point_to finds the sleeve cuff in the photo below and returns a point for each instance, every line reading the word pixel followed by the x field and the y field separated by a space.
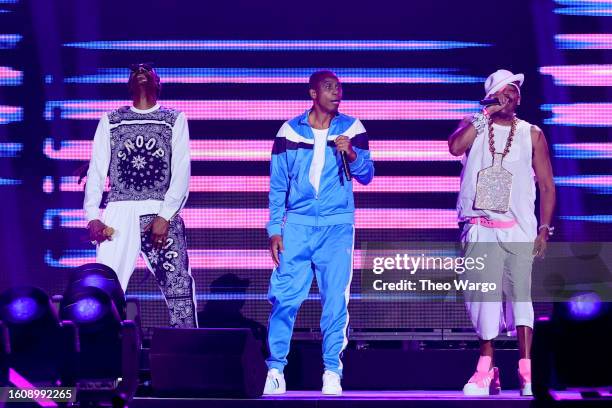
pixel 355 165
pixel 274 229
pixel 166 213
pixel 92 215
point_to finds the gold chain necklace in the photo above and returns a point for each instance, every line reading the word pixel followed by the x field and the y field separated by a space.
pixel 508 142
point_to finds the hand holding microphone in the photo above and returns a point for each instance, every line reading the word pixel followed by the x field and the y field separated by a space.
pixel 489 101
pixel 495 103
pixel 99 232
pixel 108 233
pixel 343 145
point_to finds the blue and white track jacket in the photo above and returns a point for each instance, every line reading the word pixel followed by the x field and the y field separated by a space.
pixel 292 197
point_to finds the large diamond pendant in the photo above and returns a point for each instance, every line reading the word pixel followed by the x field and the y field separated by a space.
pixel 493 187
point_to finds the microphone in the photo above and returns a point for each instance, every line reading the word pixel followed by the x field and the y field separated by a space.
pixel 345 166
pixel 490 101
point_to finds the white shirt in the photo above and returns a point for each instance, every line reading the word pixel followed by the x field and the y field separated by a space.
pixel 318 157
pixel 180 168
pixel 523 193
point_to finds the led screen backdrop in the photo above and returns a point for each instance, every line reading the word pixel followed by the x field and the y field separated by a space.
pixel 238 70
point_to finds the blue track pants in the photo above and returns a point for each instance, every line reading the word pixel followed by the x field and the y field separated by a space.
pixel 328 252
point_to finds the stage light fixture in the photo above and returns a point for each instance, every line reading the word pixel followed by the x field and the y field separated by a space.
pixel 34 342
pixel 107 362
pixel 102 277
pixel 571 355
pixel 584 306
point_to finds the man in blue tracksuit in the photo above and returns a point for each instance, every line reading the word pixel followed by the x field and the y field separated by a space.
pixel 311 226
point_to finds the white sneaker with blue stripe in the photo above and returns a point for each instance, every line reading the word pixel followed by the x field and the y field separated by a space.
pixel 275 383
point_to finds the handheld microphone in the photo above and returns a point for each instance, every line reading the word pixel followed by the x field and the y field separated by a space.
pixel 490 101
pixel 108 233
pixel 345 166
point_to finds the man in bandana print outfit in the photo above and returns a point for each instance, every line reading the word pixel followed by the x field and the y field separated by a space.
pixel 144 149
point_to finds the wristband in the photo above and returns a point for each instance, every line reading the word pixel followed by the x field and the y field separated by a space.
pixel 479 121
pixel 551 230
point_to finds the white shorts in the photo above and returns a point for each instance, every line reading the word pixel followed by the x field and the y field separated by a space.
pixel 508 265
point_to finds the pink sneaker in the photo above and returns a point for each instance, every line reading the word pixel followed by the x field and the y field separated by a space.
pixel 485 380
pixel 524 374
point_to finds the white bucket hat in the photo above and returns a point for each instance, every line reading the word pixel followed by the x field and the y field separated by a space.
pixel 499 79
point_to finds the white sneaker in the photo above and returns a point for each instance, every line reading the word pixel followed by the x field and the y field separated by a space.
pixel 275 383
pixel 524 373
pixel 485 380
pixel 331 383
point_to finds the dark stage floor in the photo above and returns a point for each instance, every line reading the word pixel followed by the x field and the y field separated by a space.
pixel 349 399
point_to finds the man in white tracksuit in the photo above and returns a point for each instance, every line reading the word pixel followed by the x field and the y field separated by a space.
pixel 144 149
pixel 510 238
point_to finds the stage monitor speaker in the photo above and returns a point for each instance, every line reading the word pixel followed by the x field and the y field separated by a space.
pixel 207 362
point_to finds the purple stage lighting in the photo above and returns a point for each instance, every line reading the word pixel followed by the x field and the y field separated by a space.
pixel 23 305
pixel 87 310
pixel 96 281
pixel 22 309
pixel 584 306
pixel 90 308
pixel 93 275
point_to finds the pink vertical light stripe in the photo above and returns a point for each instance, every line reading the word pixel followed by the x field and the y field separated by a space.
pixel 591 181
pixel 261 184
pixel 288 79
pixel 599 41
pixel 256 218
pixel 260 150
pixel 9 73
pixel 212 259
pixel 582 114
pixel 48 185
pixel 274 45
pixel 580 75
pixel 277 109
pixel 596 147
pixel 9 110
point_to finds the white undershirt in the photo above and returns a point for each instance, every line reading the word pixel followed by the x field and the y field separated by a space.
pixel 318 157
